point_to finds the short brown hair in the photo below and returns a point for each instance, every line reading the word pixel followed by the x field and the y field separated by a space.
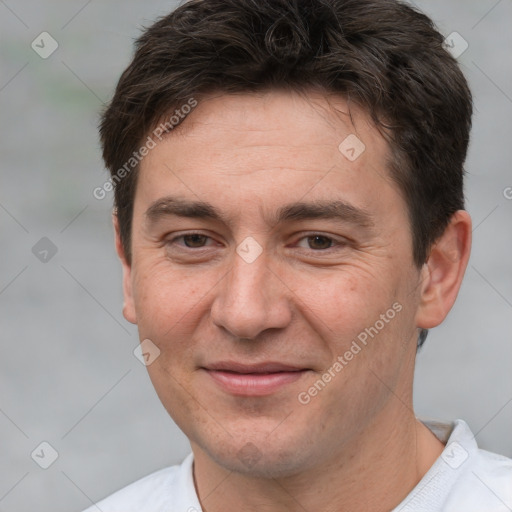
pixel 381 54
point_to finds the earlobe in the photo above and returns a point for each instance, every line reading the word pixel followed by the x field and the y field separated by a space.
pixel 128 305
pixel 442 274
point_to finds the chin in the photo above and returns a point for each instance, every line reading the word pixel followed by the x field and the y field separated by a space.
pixel 260 458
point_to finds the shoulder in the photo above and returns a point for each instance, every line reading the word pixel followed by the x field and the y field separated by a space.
pixel 137 496
pixel 464 478
pixel 476 479
pixel 485 485
pixel 169 489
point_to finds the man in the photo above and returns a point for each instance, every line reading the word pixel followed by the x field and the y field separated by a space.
pixel 289 216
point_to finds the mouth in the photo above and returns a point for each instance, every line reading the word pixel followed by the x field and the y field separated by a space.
pixel 253 379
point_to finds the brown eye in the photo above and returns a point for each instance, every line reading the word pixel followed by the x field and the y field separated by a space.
pixel 319 242
pixel 195 241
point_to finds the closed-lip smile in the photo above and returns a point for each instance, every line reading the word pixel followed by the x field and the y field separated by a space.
pixel 253 379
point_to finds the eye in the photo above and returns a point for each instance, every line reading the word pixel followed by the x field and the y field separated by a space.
pixel 190 240
pixel 318 242
pixel 194 240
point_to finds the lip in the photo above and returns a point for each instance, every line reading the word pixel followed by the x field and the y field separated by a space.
pixel 253 379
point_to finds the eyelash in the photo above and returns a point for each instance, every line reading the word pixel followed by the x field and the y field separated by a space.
pixel 335 244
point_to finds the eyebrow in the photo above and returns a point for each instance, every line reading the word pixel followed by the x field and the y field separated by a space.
pixel 338 210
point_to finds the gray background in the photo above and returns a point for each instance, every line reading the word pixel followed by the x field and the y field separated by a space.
pixel 68 373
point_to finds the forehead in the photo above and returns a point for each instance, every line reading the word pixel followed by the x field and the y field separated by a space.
pixel 257 146
pixel 285 120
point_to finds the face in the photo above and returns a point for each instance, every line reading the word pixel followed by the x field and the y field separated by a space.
pixel 272 268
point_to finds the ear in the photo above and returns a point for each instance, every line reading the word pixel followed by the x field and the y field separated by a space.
pixel 128 305
pixel 441 276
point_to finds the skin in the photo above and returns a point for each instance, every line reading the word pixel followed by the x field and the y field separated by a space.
pixel 357 444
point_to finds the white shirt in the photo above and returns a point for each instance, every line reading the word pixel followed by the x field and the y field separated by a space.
pixel 463 479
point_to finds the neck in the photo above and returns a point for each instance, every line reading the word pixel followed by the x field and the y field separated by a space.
pixel 375 473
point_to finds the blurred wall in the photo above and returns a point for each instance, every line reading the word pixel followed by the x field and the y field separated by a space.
pixel 68 374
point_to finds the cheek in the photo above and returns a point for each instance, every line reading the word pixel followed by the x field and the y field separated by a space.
pixel 162 294
pixel 164 303
pixel 167 308
pixel 343 303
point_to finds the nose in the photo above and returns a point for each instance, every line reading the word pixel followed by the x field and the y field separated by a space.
pixel 251 299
